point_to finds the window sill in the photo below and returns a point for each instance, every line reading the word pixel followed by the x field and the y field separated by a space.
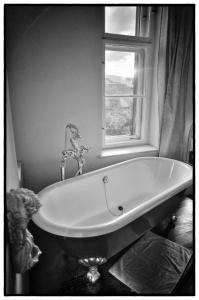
pixel 135 151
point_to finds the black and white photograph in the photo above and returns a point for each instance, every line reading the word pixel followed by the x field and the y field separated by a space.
pixel 99 149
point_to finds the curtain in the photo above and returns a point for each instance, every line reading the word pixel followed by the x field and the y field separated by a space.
pixel 175 81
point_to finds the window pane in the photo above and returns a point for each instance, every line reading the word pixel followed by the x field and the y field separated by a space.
pixel 120 20
pixel 123 73
pixel 128 20
pixel 123 116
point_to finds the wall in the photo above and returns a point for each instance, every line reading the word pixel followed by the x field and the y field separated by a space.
pixel 55 76
pixel 12 181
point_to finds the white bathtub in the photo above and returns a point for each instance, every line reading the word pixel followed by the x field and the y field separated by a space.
pixel 85 206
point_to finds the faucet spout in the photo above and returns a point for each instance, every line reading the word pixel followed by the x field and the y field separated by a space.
pixel 76 152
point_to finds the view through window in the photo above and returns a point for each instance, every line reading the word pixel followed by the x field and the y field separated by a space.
pixel 122 107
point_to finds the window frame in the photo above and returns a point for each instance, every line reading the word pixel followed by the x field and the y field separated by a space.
pixel 145 43
pixel 128 141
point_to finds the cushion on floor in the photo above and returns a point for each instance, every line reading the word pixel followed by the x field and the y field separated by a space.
pixel 153 265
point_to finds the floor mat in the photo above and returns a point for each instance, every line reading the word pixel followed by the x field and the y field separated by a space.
pixel 153 265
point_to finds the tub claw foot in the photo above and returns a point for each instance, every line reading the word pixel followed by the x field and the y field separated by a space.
pixel 93 274
pixel 92 263
pixel 173 221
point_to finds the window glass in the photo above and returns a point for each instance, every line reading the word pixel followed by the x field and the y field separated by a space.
pixel 124 72
pixel 120 20
pixel 128 20
pixel 123 82
pixel 123 117
pixel 119 72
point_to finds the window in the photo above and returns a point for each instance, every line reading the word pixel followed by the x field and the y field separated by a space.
pixel 125 74
pixel 113 16
pixel 128 20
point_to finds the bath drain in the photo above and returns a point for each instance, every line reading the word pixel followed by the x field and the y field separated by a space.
pixel 120 207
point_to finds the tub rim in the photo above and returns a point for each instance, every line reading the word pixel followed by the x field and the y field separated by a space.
pixel 116 222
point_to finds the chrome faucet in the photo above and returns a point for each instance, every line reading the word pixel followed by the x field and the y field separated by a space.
pixel 76 152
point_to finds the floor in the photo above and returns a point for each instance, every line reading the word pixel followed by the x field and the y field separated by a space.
pixel 76 283
pixel 107 285
pixel 110 286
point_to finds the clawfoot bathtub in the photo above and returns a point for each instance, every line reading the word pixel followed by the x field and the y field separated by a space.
pixel 96 215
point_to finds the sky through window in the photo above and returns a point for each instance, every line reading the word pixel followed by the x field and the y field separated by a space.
pixel 120 20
